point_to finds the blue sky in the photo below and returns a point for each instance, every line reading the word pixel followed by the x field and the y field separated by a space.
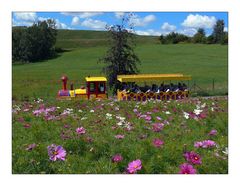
pixel 146 23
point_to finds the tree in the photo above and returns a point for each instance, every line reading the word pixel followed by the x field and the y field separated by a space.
pixel 218 31
pixel 225 39
pixel 173 38
pixel 120 57
pixel 34 43
pixel 199 37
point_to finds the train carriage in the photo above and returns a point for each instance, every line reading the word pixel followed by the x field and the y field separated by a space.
pixel 123 94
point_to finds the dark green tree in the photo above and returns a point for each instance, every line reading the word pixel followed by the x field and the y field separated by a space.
pixel 120 58
pixel 218 32
pixel 173 38
pixel 34 43
pixel 199 37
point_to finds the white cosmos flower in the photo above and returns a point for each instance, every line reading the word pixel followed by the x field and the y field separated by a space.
pixel 203 105
pixel 186 115
pixel 197 111
pixel 167 112
pixel 108 116
pixel 226 151
pixel 91 110
pixel 83 118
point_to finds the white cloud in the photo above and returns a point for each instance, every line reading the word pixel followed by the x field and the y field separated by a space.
pixel 60 25
pixel 149 32
pixel 26 16
pixel 166 27
pixel 119 15
pixel 199 21
pixel 137 21
pixel 225 29
pixel 188 31
pixel 81 14
pixel 94 24
pixel 75 21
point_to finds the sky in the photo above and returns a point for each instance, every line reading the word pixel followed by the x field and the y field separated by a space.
pixel 145 23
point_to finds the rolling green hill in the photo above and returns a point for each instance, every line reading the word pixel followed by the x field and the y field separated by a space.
pixel 86 38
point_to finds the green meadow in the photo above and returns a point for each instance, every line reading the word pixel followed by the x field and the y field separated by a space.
pixel 83 49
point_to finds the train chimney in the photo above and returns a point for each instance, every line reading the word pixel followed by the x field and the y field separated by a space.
pixel 64 80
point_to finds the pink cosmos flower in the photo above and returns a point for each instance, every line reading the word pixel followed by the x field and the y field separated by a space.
pixel 119 136
pixel 56 152
pixel 157 142
pixel 117 158
pixel 148 118
pixel 204 144
pixel 134 166
pixel 212 132
pixel 81 130
pixel 186 168
pixel 26 125
pixel 135 110
pixel 158 118
pixel 192 157
pixel 198 144
pixel 157 127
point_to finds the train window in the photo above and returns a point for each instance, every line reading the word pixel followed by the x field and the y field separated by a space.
pixel 92 87
pixel 101 88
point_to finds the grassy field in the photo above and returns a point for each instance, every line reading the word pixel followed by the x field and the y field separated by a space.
pixel 203 62
pixel 106 136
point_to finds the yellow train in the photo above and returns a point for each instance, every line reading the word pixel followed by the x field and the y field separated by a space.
pixel 96 88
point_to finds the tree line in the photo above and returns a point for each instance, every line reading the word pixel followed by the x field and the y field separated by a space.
pixel 218 36
pixel 34 43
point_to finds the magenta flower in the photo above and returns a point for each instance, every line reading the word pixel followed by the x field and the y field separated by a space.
pixel 212 132
pixel 119 136
pixel 26 125
pixel 204 144
pixel 157 142
pixel 148 118
pixel 157 127
pixel 198 144
pixel 134 166
pixel 208 143
pixel 158 118
pixel 56 152
pixel 80 130
pixel 192 157
pixel 186 168
pixel 117 158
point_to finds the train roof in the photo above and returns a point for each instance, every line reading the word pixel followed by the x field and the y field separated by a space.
pixel 152 77
pixel 92 79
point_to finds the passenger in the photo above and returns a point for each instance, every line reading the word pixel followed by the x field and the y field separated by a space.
pixel 167 88
pixel 185 88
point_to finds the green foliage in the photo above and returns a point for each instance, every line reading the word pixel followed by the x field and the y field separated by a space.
pixel 173 38
pixel 218 32
pixel 120 57
pixel 34 43
pixel 199 37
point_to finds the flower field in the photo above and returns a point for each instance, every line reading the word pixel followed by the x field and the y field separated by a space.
pixel 113 137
